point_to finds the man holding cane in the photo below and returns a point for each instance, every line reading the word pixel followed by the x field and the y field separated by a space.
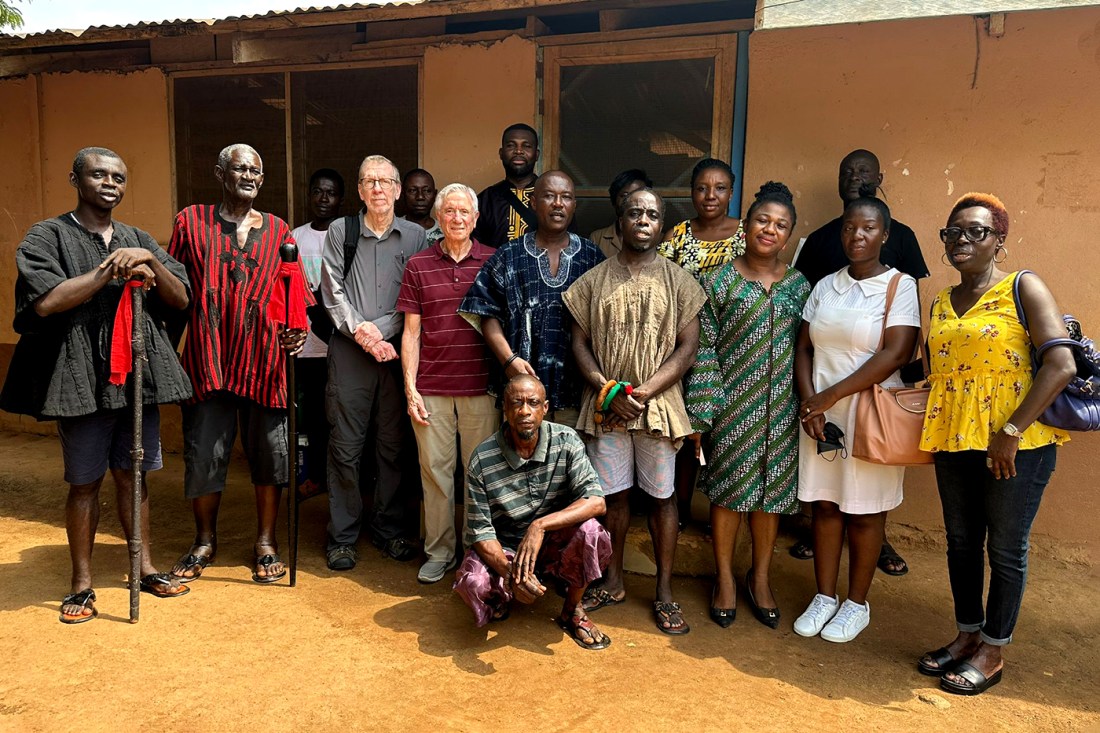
pixel 72 271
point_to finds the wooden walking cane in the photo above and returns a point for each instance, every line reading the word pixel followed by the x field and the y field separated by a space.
pixel 289 253
pixel 137 451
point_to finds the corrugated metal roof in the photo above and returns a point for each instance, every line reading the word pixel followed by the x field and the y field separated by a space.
pixel 794 13
pixel 213 22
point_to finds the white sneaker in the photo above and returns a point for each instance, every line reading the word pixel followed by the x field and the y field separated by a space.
pixel 849 621
pixel 817 614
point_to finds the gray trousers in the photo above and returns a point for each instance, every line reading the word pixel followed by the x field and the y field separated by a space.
pixel 363 394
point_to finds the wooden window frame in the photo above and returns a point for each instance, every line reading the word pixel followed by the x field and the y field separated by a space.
pixel 722 48
pixel 286 70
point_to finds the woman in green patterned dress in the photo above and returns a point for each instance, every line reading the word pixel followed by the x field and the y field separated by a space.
pixel 741 390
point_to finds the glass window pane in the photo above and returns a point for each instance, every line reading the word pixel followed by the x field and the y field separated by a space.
pixel 214 111
pixel 655 115
pixel 340 117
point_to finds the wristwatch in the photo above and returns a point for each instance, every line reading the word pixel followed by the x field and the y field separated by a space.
pixel 1011 430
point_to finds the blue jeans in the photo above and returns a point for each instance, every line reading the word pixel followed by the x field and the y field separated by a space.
pixel 977 507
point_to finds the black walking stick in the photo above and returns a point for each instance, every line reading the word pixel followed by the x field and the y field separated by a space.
pixel 289 254
pixel 137 452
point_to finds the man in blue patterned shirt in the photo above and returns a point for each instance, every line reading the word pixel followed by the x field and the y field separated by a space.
pixel 516 299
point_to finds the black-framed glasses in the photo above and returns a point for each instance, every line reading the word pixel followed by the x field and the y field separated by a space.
pixel 950 235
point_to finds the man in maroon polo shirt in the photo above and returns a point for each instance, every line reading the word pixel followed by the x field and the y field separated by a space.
pixel 446 367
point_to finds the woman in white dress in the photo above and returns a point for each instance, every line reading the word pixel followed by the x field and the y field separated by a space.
pixel 837 357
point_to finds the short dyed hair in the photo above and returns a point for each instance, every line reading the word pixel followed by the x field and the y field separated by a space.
pixel 82 157
pixel 453 188
pixel 707 164
pixel 987 201
pixel 328 174
pixel 774 192
pixel 227 154
pixel 519 126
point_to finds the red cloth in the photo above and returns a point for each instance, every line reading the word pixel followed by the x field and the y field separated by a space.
pixel 122 335
pixel 276 307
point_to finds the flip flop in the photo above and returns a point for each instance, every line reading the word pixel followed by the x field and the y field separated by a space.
pixel 888 556
pixel 570 628
pixel 802 551
pixel 596 598
pixel 979 683
pixel 194 564
pixel 944 663
pixel 266 561
pixel 663 611
pixel 82 599
pixel 160 585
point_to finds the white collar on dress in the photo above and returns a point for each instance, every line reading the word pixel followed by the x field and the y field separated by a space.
pixel 843 282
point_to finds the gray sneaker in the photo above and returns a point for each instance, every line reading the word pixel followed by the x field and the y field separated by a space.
pixel 434 570
pixel 342 557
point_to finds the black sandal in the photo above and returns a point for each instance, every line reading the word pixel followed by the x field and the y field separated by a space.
pixel 944 662
pixel 666 611
pixel 194 564
pixel 888 556
pixel 802 551
pixel 977 683
pixel 82 599
pixel 265 562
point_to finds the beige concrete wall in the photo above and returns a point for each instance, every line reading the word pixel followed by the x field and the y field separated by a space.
pixel 1023 129
pixel 470 94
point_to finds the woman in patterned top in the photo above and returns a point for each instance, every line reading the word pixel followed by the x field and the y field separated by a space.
pixel 993 458
pixel 742 391
pixel 713 237
pixel 701 245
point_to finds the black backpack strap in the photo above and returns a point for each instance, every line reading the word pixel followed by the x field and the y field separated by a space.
pixel 521 208
pixel 351 240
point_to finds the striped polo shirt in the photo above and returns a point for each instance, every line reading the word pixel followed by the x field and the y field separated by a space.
pixel 508 492
pixel 232 345
pixel 454 360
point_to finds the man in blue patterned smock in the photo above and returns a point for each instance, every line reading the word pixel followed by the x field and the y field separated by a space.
pixel 516 299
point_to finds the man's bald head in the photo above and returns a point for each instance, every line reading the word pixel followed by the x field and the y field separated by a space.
pixel 523 382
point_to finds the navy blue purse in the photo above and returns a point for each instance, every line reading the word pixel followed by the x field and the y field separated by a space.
pixel 1077 407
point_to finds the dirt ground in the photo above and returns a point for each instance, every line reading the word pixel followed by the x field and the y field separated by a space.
pixel 374 649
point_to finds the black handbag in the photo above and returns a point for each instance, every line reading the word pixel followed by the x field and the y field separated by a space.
pixel 1077 407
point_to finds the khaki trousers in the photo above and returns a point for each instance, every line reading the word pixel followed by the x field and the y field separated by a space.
pixel 472 419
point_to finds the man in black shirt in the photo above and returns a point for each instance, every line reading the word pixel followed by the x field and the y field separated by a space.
pixel 823 254
pixel 505 207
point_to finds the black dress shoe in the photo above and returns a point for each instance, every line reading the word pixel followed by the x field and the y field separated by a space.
pixel 724 617
pixel 767 616
pixel 400 549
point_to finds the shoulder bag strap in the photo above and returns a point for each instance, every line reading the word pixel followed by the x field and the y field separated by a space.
pixel 1016 298
pixel 521 208
pixel 351 240
pixel 891 290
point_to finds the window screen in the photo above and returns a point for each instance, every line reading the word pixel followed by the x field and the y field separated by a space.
pixel 654 115
pixel 337 118
pixel 215 111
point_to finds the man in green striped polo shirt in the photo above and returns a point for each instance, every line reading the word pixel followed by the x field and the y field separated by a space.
pixel 531 507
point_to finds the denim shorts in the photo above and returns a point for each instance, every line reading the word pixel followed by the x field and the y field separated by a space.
pixel 91 444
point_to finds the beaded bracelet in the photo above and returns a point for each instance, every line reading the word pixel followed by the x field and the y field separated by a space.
pixel 603 392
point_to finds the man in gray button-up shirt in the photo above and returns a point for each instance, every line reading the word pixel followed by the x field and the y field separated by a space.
pixel 364 376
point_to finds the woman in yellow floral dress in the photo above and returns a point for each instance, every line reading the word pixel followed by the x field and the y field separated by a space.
pixel 993 459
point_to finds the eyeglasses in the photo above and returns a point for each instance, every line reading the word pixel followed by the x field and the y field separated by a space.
pixel 950 235
pixel 383 183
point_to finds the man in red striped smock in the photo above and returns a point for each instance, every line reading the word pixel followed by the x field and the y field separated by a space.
pixel 446 367
pixel 234 354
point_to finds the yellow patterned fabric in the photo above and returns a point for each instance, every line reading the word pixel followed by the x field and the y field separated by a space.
pixel 981 371
pixel 699 257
